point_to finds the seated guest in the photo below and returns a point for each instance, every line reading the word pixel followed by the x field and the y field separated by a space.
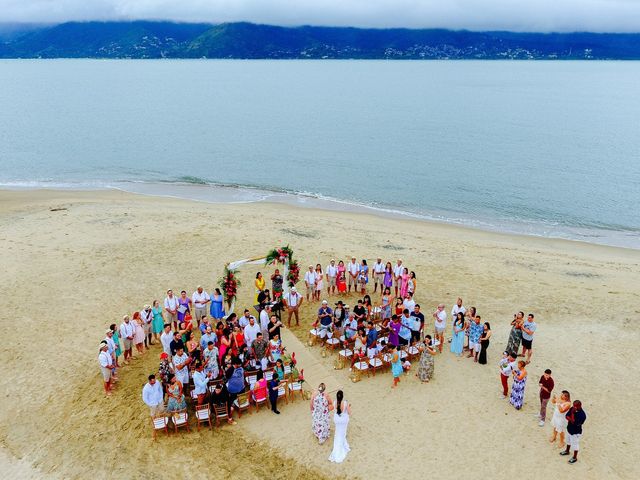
pixel 359 347
pixel 153 396
pixel 207 336
pixel 165 370
pixel 360 312
pixel 235 379
pixel 372 340
pixel 204 324
pixel 220 397
pixel 275 348
pixel 339 315
pixel 176 401
pixel 279 368
pixel 181 362
pixel 210 355
pixel 350 326
pixel 259 390
pixel 176 342
pixel 324 322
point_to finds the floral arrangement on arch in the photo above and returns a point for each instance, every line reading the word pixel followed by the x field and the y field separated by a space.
pixel 294 273
pixel 279 255
pixel 229 284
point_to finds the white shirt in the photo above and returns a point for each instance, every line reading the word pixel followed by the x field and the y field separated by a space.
pixel 165 340
pixel 264 320
pixel 199 299
pixel 409 304
pixel 398 270
pixel 200 382
pixel 331 270
pixel 152 394
pixel 378 267
pixel 353 268
pixel 456 309
pixel 171 303
pixel 181 374
pixel 147 317
pixel 105 359
pixel 127 329
pixel 441 319
pixel 111 345
pixel 251 332
pixel 292 299
pixel 310 278
pixel 244 321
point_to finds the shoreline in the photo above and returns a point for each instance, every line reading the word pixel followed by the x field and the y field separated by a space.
pixel 225 194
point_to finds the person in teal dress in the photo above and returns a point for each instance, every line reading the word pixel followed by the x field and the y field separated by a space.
pixel 457 343
pixel 216 309
pixel 396 365
pixel 116 340
pixel 157 325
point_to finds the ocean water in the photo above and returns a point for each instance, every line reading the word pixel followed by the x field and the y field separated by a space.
pixel 538 148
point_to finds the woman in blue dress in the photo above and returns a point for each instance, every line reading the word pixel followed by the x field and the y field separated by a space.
pixel 216 310
pixel 457 343
pixel 157 325
pixel 517 388
pixel 116 340
pixel 396 366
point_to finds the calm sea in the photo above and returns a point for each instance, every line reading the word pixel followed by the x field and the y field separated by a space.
pixel 542 148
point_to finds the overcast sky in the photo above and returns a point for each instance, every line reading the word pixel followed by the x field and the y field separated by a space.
pixel 519 15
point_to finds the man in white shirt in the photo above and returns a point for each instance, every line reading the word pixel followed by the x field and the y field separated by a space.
pixel 153 396
pixel 331 272
pixel 127 330
pixel 292 301
pixel 146 314
pixel 378 275
pixel 353 270
pixel 200 299
pixel 106 364
pixel 243 321
pixel 251 331
pixel 200 382
pixel 440 317
pixel 171 305
pixel 166 338
pixel 310 282
pixel 398 270
pixel 111 350
pixel 409 303
pixel 265 313
pixel 458 307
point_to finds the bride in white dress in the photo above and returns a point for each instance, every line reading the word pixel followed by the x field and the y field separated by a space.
pixel 341 422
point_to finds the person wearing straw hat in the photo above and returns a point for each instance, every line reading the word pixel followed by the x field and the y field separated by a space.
pixel 200 300
pixel 332 273
pixel 106 366
pixel 146 314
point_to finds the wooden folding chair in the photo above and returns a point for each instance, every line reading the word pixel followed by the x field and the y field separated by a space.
pixel 250 379
pixel 332 343
pixel 386 360
pixel 293 387
pixel 375 363
pixel 181 419
pixel 257 402
pixel 344 356
pixel 242 403
pixel 313 336
pixel 221 413
pixel 268 374
pixel 203 415
pixel 412 352
pixel 361 366
pixel 160 422
pixel 282 391
pixel 287 371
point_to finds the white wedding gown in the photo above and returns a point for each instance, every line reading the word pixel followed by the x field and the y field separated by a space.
pixel 340 444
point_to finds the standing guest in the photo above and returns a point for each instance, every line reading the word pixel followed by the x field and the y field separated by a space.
pixel 153 396
pixel 147 319
pixel 575 419
pixel 457 342
pixel 517 388
pixel 469 317
pixel 264 298
pixel 399 306
pixel 292 301
pixel 484 343
pixel 200 298
pixel 339 315
pixel 138 336
pixel 324 321
pixel 405 331
pixel 158 322
pixel 204 324
pixel 175 393
pixel 353 269
pixel 387 280
pixel 210 355
pixel 260 350
pixel 274 327
pixel 378 275
pixel 515 336
pixel 116 341
pixel 427 364
pixel 420 316
pixel 236 340
pixel 176 342
pixel 398 269
pixel 216 310
pixel 276 284
pixel 321 405
pixel 415 325
pixel 440 317
pixel 207 336
pixel 265 313
pixel 358 347
pixel 385 304
pixel 360 312
pixel 171 309
pixel 193 347
pixel 223 342
pixel 458 307
pixel 408 302
pixel 244 319
pixel 528 330
pixel 200 382
pixel 396 365
pixel 404 282
pixel 372 340
pixel 394 330
pixel 310 283
pixel 259 283
pixel 341 422
pixel 166 338
pixel 331 273
pixel 127 331
pixel 275 348
pixel 546 385
pixel 274 386
pixel 318 285
pixel 181 362
pixel 165 369
pixel 251 331
pixel 476 329
pixel 184 306
pixel 235 379
pixel 111 350
pixel 413 283
pixel 341 280
pixel 363 276
pixel 559 420
pixel 506 366
pixel 106 367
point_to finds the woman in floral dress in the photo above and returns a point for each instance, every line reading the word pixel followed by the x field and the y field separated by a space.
pixel 426 365
pixel 517 388
pixel 321 405
pixel 176 397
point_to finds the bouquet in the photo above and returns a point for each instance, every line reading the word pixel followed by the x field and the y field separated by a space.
pixel 229 284
pixel 294 273
pixel 279 255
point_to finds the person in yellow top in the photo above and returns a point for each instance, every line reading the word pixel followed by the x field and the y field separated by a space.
pixel 260 284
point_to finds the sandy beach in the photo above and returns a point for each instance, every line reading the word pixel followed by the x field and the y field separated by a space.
pixel 74 262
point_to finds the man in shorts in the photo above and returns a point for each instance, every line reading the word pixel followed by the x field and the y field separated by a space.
pixel 378 275
pixel 310 282
pixel 331 273
pixel 106 364
pixel 398 269
pixel 475 331
pixel 575 418
pixel 200 299
pixel 528 329
pixel 353 269
pixel 171 305
pixel 440 323
pixel 127 330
